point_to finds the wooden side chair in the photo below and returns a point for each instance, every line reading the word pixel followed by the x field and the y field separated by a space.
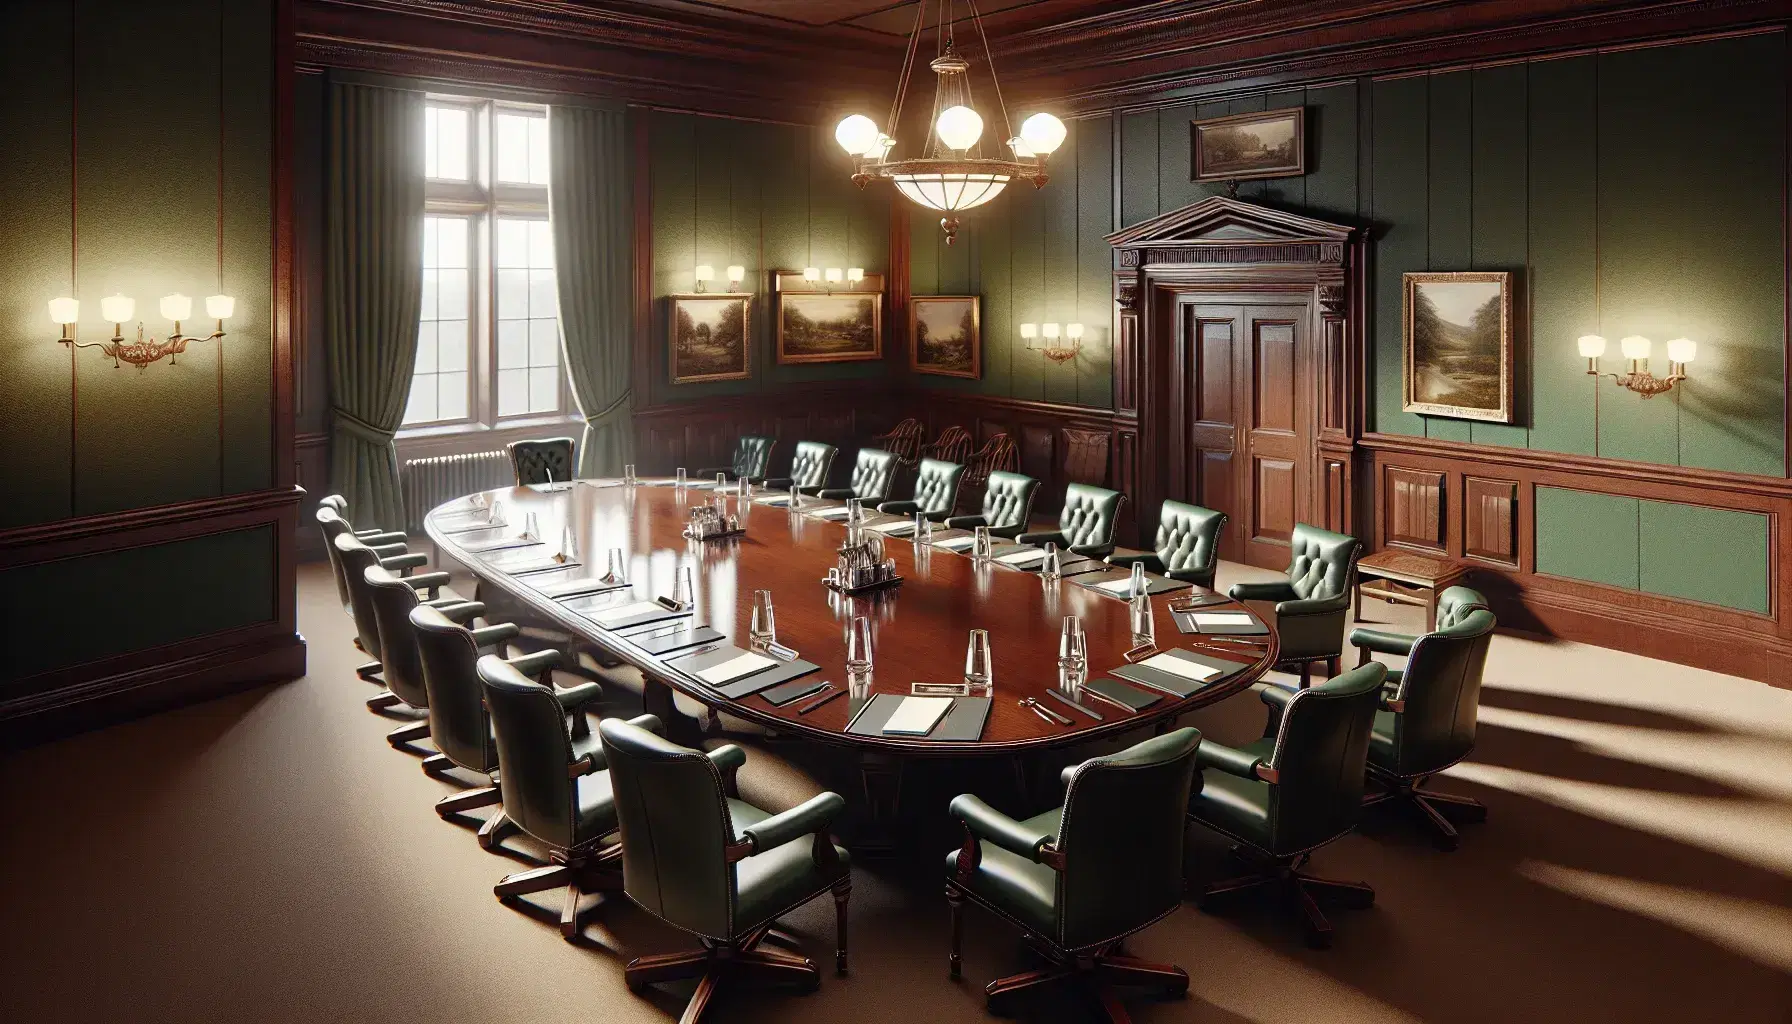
pixel 953 445
pixel 998 454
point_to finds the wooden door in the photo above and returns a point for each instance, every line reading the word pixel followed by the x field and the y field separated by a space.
pixel 1241 436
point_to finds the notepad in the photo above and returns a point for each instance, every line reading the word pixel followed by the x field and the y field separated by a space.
pixel 830 513
pixel 1121 587
pixel 916 716
pixel 1205 619
pixel 1022 557
pixel 773 499
pixel 616 616
pixel 956 543
pixel 899 528
pixel 734 668
pixel 1180 667
pixel 575 587
pixel 501 544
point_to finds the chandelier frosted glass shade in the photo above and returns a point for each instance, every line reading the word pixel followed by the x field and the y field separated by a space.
pixel 950 192
pixel 959 127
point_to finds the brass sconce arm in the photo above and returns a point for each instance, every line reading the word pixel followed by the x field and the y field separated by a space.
pixel 1640 380
pixel 143 351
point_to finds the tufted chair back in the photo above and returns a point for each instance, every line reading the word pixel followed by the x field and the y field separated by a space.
pixel 1441 688
pixel 810 463
pixel 357 558
pixel 1008 500
pixel 393 599
pixel 1322 563
pixel 1321 752
pixel 458 723
pixel 534 752
pixel 1456 604
pixel 1121 834
pixel 936 487
pixel 873 474
pixel 1188 537
pixel 534 461
pixel 1089 517
pixel 673 811
pixel 753 456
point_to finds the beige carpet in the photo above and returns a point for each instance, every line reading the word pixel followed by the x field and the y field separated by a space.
pixel 268 857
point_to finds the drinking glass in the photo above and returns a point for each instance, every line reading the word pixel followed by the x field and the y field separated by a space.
pixel 858 648
pixel 495 514
pixel 926 530
pixel 1073 643
pixel 979 669
pixel 1144 623
pixel 569 543
pixel 721 481
pixel 1139 586
pixel 1051 568
pixel 1071 675
pixel 531 527
pixel 682 590
pixel 746 492
pixel 762 629
pixel 616 571
pixel 796 497
pixel 628 474
pixel 679 479
pixel 980 545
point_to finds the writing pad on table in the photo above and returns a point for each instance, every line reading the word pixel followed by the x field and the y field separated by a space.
pixel 1185 621
pixel 1180 685
pixel 676 640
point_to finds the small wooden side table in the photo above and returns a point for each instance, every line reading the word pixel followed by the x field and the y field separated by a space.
pixel 1396 568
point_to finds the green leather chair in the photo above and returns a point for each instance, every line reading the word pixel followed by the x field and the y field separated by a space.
pixel 1082 877
pixel 1187 545
pixel 459 723
pixel 554 788
pixel 356 558
pixel 936 491
pixel 1428 710
pixel 873 474
pixel 809 466
pixel 1295 790
pixel 752 460
pixel 1086 523
pixel 551 460
pixel 332 523
pixel 392 599
pixel 704 861
pixel 1313 604
pixel 1007 502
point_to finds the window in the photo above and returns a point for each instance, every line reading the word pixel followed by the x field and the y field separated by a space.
pixel 488 340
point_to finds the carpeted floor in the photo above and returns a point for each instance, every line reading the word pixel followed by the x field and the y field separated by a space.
pixel 268 857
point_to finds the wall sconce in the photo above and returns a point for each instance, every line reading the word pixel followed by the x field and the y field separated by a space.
pixel 834 276
pixel 704 274
pixel 811 274
pixel 1058 342
pixel 1636 348
pixel 119 309
pixel 736 274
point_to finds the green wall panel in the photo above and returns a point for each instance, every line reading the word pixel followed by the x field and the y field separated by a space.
pixel 226 580
pixel 1449 196
pixel 1499 215
pixel 246 67
pixel 1138 171
pixel 1587 536
pixel 1718 556
pixel 1331 181
pixel 1095 260
pixel 1401 236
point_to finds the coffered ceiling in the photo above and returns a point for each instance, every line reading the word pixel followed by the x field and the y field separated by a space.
pixel 897 17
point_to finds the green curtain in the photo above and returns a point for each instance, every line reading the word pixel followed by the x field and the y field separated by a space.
pixel 373 288
pixel 589 208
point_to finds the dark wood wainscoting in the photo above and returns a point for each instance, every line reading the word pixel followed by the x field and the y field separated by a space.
pixel 1057 444
pixel 1478 503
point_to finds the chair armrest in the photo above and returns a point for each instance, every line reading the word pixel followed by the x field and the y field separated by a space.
pixel 710 471
pixel 991 825
pixel 1099 552
pixel 728 758
pixel 574 698
pixel 404 561
pixel 491 636
pixel 812 490
pixel 899 508
pixel 1042 538
pixel 377 537
pixel 836 493
pixel 1311 606
pixel 777 483
pixel 1068 773
pixel 1384 643
pixel 965 522
pixel 807 818
pixel 1230 760
pixel 430 581
pixel 535 664
pixel 463 611
pixel 1150 561
pixel 1275 696
pixel 1279 590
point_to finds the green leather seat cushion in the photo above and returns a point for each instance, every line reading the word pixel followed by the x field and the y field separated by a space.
pixel 769 883
pixel 1239 807
pixel 597 803
pixel 1026 890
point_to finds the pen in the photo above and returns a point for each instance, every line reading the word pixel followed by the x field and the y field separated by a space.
pixel 819 701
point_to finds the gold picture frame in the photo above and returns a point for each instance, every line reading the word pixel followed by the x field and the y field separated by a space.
pixel 709 336
pixel 822 322
pixel 955 354
pixel 1455 362
pixel 1241 147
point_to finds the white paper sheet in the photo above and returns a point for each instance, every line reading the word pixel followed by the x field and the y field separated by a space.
pixel 917 716
pixel 734 668
pixel 1223 619
pixel 627 611
pixel 1022 557
pixel 1180 667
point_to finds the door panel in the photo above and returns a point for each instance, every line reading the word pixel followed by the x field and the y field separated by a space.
pixel 1280 438
pixel 1273 376
pixel 1272 505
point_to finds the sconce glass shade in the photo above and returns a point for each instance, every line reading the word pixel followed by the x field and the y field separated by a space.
pixel 220 307
pixel 117 309
pixel 704 273
pixel 855 274
pixel 1635 346
pixel 177 307
pixel 65 311
pixel 959 127
pixel 1073 331
pixel 1049 330
pixel 1682 350
pixel 1029 331
pixel 737 274
pixel 1592 346
pixel 811 273
pixel 859 136
pixel 836 275
pixel 1043 133
pixel 1022 151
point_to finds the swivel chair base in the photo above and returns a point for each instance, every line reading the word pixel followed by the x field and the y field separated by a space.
pixel 383 700
pixel 716 962
pixel 1437 809
pixel 1294 886
pixel 370 671
pixel 494 828
pixel 407 734
pixel 600 872
pixel 1093 976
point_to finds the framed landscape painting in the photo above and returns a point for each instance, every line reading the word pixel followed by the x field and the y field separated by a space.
pixel 709 336
pixel 1261 144
pixel 822 324
pixel 1458 341
pixel 946 335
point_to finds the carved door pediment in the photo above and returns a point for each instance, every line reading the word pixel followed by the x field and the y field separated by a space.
pixel 1230 231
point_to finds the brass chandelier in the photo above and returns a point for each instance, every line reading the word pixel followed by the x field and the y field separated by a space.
pixel 951 174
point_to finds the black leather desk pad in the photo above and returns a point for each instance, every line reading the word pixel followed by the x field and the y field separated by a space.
pixel 1153 584
pixel 1071 565
pixel 778 696
pixel 571 586
pixel 941 537
pixel 1185 621
pixel 471 526
pixel 1131 696
pixel 1158 679
pixel 747 685
pixel 962 723
pixel 688 637
pixel 655 614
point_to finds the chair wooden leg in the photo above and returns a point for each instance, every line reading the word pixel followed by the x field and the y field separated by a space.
pixel 382 700
pixel 1125 970
pixel 1306 674
pixel 408 734
pixel 1350 895
pixel 569 910
pixel 494 830
pixel 1334 666
pixel 1458 808
pixel 436 764
pixel 1002 988
pixel 1112 1010
pixel 522 883
pixel 458 803
pixel 955 903
pixel 1232 887
pixel 1319 930
pixel 370 671
pixel 648 970
pixel 700 999
pixel 1447 836
pixel 842 893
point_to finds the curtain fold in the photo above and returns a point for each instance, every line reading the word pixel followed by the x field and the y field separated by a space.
pixel 588 204
pixel 373 287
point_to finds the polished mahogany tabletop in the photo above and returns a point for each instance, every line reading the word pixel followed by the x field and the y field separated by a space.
pixel 921 627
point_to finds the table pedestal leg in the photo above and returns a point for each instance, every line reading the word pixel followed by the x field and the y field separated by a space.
pixel 875 835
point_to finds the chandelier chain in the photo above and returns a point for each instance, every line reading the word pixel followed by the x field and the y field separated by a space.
pixel 908 67
pixel 995 80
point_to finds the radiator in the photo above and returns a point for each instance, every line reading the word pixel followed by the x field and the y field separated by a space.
pixel 429 482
